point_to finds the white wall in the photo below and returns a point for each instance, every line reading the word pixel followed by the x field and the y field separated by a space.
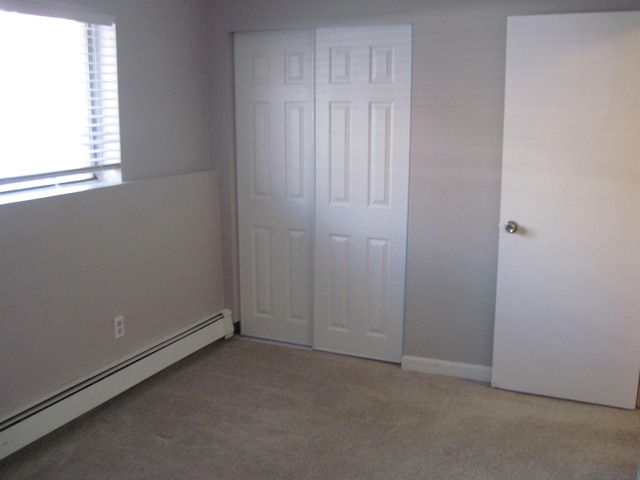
pixel 148 249
pixel 458 89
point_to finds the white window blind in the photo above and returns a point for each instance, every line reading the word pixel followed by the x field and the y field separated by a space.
pixel 59 120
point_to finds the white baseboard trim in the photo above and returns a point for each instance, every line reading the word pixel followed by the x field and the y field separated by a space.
pixel 74 400
pixel 467 371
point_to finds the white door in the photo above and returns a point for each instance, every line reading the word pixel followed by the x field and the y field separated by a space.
pixel 568 293
pixel 363 83
pixel 274 149
pixel 358 232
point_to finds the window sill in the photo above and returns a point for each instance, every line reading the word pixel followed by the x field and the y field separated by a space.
pixel 26 195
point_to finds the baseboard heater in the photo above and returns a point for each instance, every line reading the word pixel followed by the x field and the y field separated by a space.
pixel 89 392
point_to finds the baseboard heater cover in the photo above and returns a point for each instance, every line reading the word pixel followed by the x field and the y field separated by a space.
pixel 74 400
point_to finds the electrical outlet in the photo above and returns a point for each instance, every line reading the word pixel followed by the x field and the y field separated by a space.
pixel 118 327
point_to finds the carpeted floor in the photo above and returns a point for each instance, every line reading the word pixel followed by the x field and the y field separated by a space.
pixel 242 409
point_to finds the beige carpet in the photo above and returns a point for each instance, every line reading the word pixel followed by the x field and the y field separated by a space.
pixel 247 410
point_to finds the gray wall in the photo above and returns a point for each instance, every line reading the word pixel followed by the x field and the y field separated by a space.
pixel 458 88
pixel 149 249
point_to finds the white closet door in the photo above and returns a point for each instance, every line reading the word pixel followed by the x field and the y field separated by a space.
pixel 274 127
pixel 363 78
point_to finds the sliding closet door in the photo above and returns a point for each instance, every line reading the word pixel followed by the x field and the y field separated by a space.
pixel 352 253
pixel 274 128
pixel 363 78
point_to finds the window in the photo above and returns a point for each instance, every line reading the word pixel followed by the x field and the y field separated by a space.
pixel 59 120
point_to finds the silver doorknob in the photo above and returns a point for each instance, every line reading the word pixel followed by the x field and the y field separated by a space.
pixel 511 227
